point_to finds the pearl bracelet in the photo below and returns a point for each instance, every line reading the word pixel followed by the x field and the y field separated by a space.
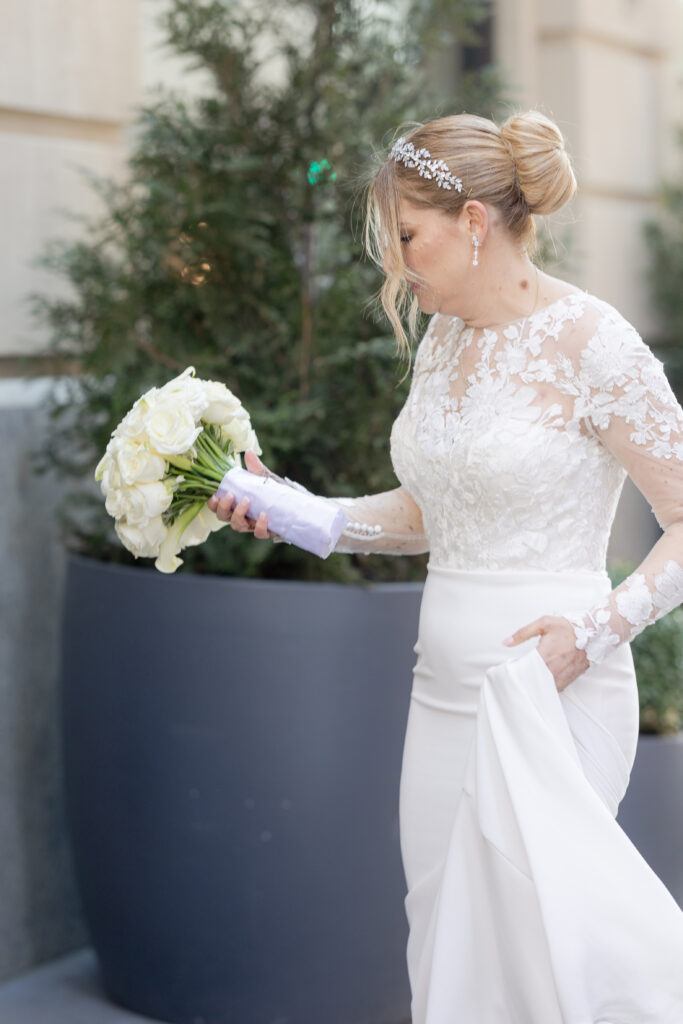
pixel 355 529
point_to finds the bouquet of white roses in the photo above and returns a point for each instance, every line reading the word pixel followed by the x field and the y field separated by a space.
pixel 164 461
pixel 177 446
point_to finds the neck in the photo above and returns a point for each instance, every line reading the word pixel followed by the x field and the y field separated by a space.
pixel 508 289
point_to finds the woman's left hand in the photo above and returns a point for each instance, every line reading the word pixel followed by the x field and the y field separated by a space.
pixel 557 647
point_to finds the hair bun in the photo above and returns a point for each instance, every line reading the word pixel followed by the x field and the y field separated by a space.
pixel 544 170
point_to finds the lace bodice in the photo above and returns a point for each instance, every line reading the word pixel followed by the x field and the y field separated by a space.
pixel 512 450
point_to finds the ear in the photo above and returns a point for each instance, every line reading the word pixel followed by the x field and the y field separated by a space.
pixel 476 218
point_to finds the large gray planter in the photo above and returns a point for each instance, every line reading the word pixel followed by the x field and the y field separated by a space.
pixel 233 753
pixel 651 813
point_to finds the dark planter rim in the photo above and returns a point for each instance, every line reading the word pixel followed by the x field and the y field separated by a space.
pixel 180 578
pixel 185 579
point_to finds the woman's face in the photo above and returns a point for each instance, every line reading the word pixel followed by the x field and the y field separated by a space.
pixel 437 252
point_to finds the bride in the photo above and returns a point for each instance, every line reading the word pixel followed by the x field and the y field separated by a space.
pixel 530 402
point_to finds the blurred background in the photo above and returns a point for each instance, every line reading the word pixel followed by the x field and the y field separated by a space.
pixel 73 75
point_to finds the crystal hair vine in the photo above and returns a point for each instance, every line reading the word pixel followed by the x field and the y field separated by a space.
pixel 437 170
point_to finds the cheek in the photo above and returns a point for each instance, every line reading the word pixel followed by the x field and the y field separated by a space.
pixel 422 260
pixel 458 264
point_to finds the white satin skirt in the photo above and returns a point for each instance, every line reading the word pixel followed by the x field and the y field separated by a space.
pixel 527 903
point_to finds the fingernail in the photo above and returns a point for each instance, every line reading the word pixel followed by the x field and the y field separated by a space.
pixel 261 517
pixel 509 641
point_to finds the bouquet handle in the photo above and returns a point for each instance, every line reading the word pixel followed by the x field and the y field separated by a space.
pixel 313 523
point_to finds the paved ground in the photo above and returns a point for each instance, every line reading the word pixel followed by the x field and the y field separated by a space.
pixel 66 991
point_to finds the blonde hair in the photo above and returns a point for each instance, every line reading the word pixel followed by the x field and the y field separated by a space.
pixel 521 167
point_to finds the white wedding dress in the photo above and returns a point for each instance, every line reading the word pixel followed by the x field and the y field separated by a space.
pixel 527 903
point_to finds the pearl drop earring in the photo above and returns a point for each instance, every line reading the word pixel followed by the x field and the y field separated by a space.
pixel 475 257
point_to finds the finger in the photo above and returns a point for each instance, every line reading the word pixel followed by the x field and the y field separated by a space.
pixel 239 520
pixel 224 507
pixel 261 530
pixel 535 628
pixel 212 503
pixel 253 463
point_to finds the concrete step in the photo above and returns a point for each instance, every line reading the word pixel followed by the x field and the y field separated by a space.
pixel 66 991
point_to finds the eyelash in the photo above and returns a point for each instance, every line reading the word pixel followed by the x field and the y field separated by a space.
pixel 406 238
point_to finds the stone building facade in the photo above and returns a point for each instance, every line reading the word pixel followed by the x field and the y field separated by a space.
pixel 71 75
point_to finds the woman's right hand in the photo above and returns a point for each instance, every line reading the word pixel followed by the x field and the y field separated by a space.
pixel 237 516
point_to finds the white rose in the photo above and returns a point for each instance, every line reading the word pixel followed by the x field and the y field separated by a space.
pixel 145 501
pixel 171 427
pixel 116 502
pixel 132 426
pixel 143 542
pixel 109 457
pixel 239 431
pixel 103 465
pixel 178 383
pixel 223 405
pixel 187 390
pixel 109 476
pixel 138 465
pixel 252 442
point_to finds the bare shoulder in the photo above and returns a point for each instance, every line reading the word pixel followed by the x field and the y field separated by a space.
pixel 552 289
pixel 593 311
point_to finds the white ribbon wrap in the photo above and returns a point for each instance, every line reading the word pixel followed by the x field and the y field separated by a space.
pixel 304 519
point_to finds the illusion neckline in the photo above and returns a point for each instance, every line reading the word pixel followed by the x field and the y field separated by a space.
pixel 579 294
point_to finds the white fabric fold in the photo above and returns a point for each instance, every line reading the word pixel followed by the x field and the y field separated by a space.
pixel 544 911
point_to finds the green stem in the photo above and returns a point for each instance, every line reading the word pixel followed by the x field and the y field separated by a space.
pixel 208 443
pixel 201 475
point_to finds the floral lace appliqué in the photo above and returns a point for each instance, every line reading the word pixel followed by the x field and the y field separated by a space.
pixel 515 443
pixel 512 450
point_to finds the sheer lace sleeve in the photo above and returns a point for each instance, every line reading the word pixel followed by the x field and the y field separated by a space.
pixel 624 398
pixel 389 523
pixel 385 524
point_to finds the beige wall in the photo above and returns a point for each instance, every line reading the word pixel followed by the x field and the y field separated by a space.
pixel 72 74
pixel 159 65
pixel 69 74
pixel 73 71
pixel 609 73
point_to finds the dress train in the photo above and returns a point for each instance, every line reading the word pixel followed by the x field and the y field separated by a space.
pixel 543 911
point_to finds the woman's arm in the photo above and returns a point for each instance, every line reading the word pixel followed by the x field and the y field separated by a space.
pixel 389 523
pixel 623 393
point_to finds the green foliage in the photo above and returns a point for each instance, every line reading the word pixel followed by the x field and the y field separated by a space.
pixel 233 246
pixel 658 650
pixel 664 237
pixel 658 660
